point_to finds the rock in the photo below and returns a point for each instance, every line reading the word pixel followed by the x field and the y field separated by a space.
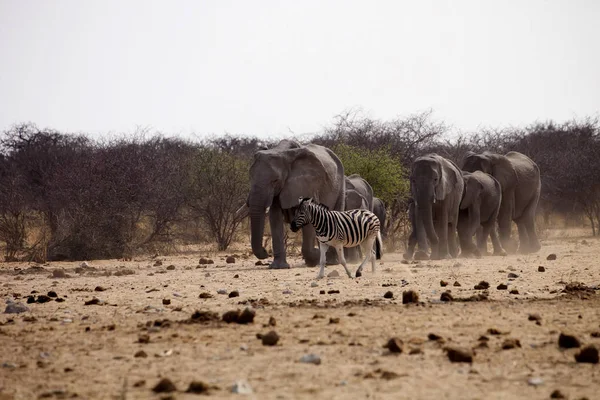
pixel 270 339
pixel 205 295
pixel 272 321
pixel 205 261
pixel 333 274
pixel 140 354
pixel 333 291
pixel 236 276
pixel 43 299
pixel 247 316
pixel 535 317
pixel 287 291
pixel 311 359
pixel 458 354
pixel 99 289
pixel 84 264
pixel 457 283
pixel 93 301
pixel 170 267
pixel 512 275
pixel 198 387
pixel 535 381
pixel 541 269
pixel 502 286
pixel 482 286
pixel 589 354
pixel 415 350
pixel 222 291
pixel 158 263
pixel 443 283
pixel 595 334
pixel 30 299
pixel 446 297
pixel 166 302
pixel 334 320
pixel 241 387
pixel 234 293
pixel 144 338
pixel 15 308
pixel 514 291
pixel 230 260
pixel 314 284
pixel 433 336
pixel 388 295
pixel 394 345
pixel 494 331
pixel 321 292
pixel 52 293
pixel 59 273
pixel 551 257
pixel 164 386
pixel 231 316
pixel 510 343
pixel 410 296
pixel 557 394
pixel 568 341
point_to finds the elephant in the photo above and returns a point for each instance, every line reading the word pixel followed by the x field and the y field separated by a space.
pixel 278 177
pixel 359 195
pixel 436 186
pixel 379 210
pixel 479 211
pixel 519 178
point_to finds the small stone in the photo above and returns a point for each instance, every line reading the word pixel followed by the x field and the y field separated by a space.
pixel 568 341
pixel 205 295
pixel 443 283
pixel 410 296
pixel 241 387
pixel 446 296
pixel 230 260
pixel 314 284
pixel 59 273
pixel 535 317
pixel 222 291
pixel 589 354
pixel 157 263
pixel 204 261
pixel 334 291
pixel 59 300
pixel 557 394
pixel 84 264
pixel 458 354
pixel 535 381
pixel 433 336
pixel 272 321
pixel 164 386
pixel 415 350
pixel 333 274
pixel 144 338
pixel 236 276
pixel 43 299
pixel 166 302
pixel 15 308
pixel 30 299
pixel 388 295
pixel 234 293
pixel 93 301
pixel 456 283
pixel 270 339
pixel 551 257
pixel 514 291
pixel 140 354
pixel 595 334
pixel 99 289
pixel 52 293
pixel 198 387
pixel 287 291
pixel 510 343
pixel 334 320
pixel 231 316
pixel 512 275
pixel 394 345
pixel 482 286
pixel 494 331
pixel 502 286
pixel 541 269
pixel 247 316
pixel 170 267
pixel 321 292
pixel 310 359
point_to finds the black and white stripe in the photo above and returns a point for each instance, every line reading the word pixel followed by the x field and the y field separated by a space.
pixel 340 229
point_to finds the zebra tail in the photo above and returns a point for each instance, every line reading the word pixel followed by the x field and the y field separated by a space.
pixel 378 247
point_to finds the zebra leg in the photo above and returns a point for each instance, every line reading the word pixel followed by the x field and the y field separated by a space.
pixel 369 252
pixel 323 247
pixel 340 252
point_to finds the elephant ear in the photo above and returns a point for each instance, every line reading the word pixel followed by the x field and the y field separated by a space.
pixel 449 176
pixel 306 176
pixel 504 172
pixel 471 193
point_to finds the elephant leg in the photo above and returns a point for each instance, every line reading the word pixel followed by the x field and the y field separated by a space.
pixel 498 250
pixel 412 243
pixel 482 234
pixel 441 250
pixel 309 252
pixel 523 238
pixel 534 242
pixel 452 244
pixel 505 223
pixel 276 222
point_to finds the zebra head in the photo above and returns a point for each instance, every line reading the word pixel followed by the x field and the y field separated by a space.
pixel 302 214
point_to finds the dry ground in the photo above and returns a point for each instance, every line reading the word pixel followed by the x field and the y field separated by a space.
pixel 68 349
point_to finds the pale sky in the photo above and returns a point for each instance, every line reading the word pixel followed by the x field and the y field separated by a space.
pixel 268 68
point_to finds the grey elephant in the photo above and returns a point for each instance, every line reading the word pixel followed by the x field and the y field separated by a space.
pixel 359 195
pixel 478 214
pixel 519 178
pixel 436 186
pixel 278 177
pixel 380 211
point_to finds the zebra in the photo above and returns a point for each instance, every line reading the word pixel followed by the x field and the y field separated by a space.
pixel 340 229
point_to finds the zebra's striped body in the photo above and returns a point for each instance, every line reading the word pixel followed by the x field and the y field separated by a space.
pixel 341 229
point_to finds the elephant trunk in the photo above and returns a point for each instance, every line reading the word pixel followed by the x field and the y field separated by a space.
pixel 257 229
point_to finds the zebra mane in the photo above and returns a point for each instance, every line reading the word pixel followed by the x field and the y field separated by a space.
pixel 310 199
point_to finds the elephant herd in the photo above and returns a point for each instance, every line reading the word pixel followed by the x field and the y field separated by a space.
pixel 446 201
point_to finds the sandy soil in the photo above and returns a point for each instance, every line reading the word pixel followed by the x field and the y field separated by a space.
pixel 68 349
